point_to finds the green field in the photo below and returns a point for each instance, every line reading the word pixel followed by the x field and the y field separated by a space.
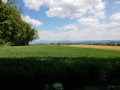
pixel 54 51
pixel 35 66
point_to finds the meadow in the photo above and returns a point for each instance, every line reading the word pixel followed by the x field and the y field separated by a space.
pixel 35 66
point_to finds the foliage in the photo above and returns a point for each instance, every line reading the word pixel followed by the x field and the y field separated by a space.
pixel 113 87
pixel 1 42
pixel 55 86
pixel 92 88
pixel 106 44
pixel 58 86
pixel 12 28
pixel 68 44
pixel 59 43
pixel 52 43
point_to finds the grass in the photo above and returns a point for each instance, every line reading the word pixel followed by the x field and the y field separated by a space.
pixel 54 51
pixel 35 66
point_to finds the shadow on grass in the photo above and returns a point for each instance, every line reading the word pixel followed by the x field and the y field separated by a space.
pixel 74 73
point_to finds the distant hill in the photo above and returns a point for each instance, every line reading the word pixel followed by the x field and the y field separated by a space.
pixel 76 42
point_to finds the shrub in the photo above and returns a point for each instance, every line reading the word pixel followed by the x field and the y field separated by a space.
pixel 2 42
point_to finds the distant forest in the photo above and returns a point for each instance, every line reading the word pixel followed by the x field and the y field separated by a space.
pixel 103 44
pixel 106 44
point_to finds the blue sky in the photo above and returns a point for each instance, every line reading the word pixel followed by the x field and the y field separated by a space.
pixel 73 19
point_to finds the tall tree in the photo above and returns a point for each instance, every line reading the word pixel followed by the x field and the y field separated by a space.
pixel 12 28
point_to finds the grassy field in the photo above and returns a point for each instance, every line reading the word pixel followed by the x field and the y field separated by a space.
pixel 54 51
pixel 98 47
pixel 35 66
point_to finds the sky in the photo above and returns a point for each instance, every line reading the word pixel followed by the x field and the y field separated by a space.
pixel 74 20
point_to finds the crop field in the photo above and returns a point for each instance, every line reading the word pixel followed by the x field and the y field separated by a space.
pixel 98 47
pixel 35 66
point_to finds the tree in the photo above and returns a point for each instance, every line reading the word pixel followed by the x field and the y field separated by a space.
pixel 59 43
pixel 12 28
pixel 1 42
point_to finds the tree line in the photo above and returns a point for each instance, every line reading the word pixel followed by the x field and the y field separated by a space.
pixel 13 29
pixel 106 44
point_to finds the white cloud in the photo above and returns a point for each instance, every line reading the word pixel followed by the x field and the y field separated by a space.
pixel 94 30
pixel 100 5
pixel 117 2
pixel 32 22
pixel 86 34
pixel 66 8
pixel 4 1
pixel 115 17
pixel 92 11
pixel 109 31
pixel 100 15
pixel 69 28
pixel 47 35
pixel 88 21
pixel 72 8
pixel 89 28
pixel 33 4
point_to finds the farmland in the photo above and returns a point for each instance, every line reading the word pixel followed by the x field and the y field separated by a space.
pixel 35 66
pixel 98 47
